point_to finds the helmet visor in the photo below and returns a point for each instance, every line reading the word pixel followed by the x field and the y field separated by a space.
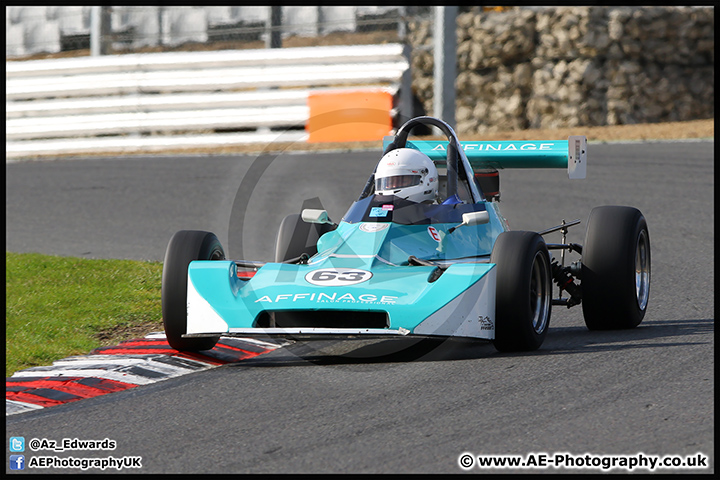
pixel 396 181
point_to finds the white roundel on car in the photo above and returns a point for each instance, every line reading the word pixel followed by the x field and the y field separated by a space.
pixel 373 227
pixel 337 277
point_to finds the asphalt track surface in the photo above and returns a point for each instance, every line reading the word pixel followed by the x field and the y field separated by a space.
pixel 392 406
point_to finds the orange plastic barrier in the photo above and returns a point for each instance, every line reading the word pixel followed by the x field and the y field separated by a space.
pixel 349 116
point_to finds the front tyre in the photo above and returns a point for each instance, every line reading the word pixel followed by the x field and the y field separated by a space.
pixel 523 300
pixel 184 247
pixel 615 277
pixel 297 236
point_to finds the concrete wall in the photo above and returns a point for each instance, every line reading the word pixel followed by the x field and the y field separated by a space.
pixel 572 66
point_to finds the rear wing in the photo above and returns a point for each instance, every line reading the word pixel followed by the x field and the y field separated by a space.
pixel 570 153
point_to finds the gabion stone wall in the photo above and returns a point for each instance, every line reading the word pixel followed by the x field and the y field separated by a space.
pixel 575 66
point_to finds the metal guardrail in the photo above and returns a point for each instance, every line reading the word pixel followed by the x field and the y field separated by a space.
pixel 170 100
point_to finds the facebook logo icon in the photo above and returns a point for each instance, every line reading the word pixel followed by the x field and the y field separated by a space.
pixel 17 462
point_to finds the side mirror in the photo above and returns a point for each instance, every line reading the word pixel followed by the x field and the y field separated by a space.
pixel 475 218
pixel 311 215
pixel 472 218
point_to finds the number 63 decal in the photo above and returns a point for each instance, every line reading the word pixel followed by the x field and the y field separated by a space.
pixel 334 277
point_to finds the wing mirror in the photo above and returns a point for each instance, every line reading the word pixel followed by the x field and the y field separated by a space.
pixel 312 215
pixel 473 218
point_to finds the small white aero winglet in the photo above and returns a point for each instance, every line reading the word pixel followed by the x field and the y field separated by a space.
pixel 201 316
pixel 577 156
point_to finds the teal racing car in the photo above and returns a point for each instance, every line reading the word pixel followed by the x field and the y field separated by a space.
pixel 424 252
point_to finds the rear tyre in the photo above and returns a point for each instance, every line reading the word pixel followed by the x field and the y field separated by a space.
pixel 184 247
pixel 615 277
pixel 523 301
pixel 297 236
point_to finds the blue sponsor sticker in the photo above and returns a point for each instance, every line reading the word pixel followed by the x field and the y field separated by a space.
pixel 378 212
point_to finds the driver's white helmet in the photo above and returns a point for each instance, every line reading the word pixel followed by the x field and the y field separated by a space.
pixel 407 173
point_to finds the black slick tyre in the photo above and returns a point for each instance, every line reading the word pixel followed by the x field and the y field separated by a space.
pixel 184 247
pixel 615 276
pixel 296 237
pixel 523 300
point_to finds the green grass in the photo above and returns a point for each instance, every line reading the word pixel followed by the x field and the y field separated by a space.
pixel 62 306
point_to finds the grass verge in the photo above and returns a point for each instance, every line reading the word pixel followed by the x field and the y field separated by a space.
pixel 62 306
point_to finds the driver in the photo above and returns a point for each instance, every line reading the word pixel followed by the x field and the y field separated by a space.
pixel 409 174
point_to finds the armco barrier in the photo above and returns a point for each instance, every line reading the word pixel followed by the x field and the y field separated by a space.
pixel 157 101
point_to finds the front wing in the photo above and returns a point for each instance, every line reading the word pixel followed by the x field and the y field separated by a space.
pixel 394 300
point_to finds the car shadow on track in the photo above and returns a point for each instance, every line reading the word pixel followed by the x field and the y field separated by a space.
pixel 361 351
pixel 560 341
pixel 648 334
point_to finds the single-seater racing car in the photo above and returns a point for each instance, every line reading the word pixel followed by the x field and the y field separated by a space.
pixel 424 251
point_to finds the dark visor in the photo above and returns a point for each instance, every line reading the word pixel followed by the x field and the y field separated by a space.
pixel 398 181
